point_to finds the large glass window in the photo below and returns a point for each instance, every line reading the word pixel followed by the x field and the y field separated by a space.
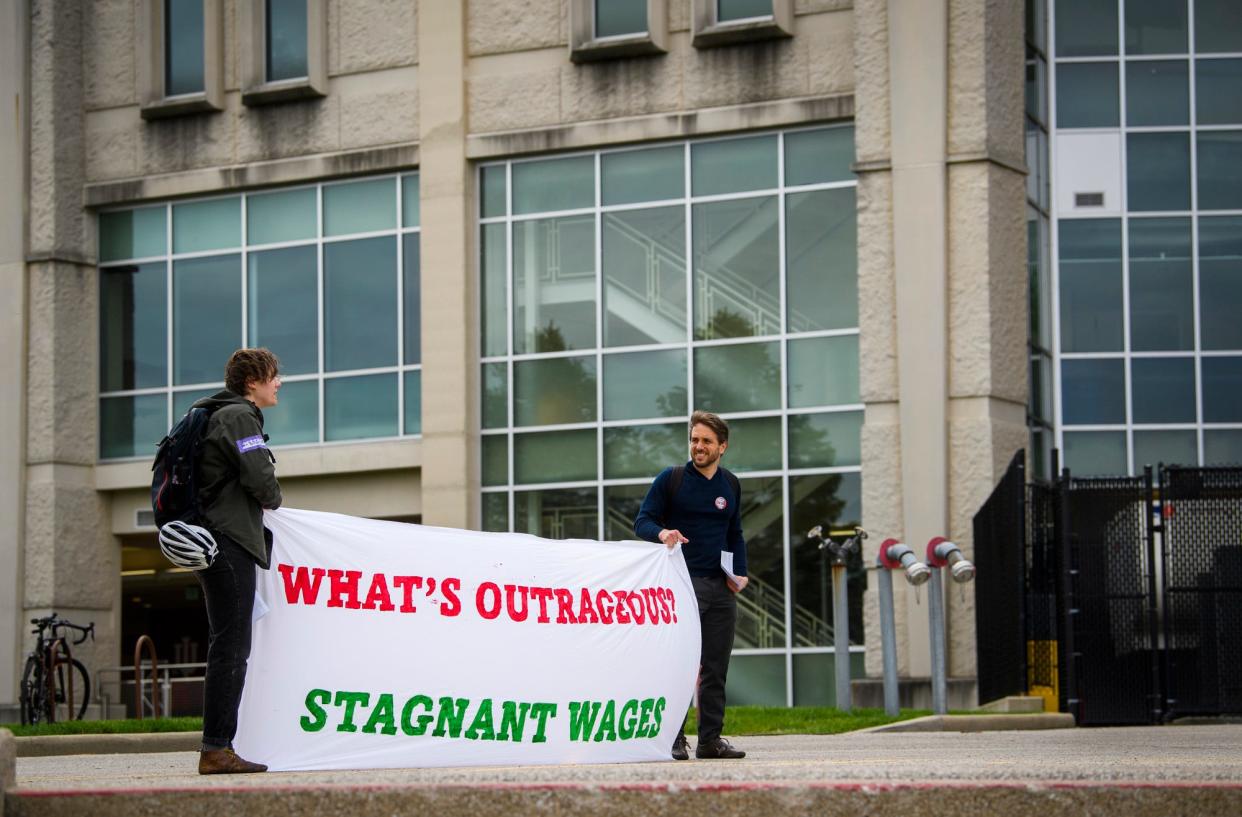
pixel 337 298
pixel 183 47
pixel 1091 284
pixel 728 10
pixel 1088 96
pixel 1086 28
pixel 622 290
pixel 285 39
pixel 1040 416
pixel 616 18
pixel 1149 292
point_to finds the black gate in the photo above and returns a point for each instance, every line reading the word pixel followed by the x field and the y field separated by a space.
pixel 1113 668
pixel 1076 601
pixel 999 529
pixel 1202 578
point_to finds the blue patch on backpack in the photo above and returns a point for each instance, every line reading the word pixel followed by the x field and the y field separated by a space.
pixel 251 443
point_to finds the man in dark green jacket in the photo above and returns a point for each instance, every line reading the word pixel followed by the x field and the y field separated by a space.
pixel 237 480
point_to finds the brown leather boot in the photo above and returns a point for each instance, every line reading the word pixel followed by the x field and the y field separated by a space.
pixel 226 761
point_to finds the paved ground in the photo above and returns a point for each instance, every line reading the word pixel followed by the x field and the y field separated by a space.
pixel 1189 769
pixel 1138 754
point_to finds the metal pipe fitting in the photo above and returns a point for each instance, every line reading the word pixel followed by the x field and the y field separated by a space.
pixel 894 555
pixel 943 553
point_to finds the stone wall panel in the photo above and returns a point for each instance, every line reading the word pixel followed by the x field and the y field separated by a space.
pixel 831 64
pixel 71 559
pixel 873 124
pixel 376 34
pixel 986 68
pixel 233 20
pixel 379 117
pixel 877 298
pixel 679 15
pixel 814 6
pixel 189 142
pixel 613 88
pixel 512 101
pixel 882 517
pixel 501 26
pixel 334 38
pixel 752 72
pixel 988 311
pixel 290 129
pixel 108 53
pixel 61 377
pixel 57 221
pixel 111 144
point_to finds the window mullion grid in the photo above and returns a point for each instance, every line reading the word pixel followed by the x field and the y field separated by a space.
pixel 784 403
pixel 1128 366
pixel 1194 233
pixel 690 309
pixel 510 386
pixel 168 295
pixel 401 373
pixel 245 276
pixel 320 308
pixel 599 347
pixel 1054 232
pixel 1127 355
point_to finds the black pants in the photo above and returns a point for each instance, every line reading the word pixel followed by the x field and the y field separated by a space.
pixel 228 589
pixel 717 619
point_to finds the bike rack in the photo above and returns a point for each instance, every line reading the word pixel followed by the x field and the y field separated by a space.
pixel 145 641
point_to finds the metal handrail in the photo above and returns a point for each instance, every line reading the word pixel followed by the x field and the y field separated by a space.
pixel 102 689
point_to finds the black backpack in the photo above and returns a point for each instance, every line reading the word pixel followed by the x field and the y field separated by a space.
pixel 679 473
pixel 174 489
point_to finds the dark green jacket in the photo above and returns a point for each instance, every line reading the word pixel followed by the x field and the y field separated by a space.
pixel 237 473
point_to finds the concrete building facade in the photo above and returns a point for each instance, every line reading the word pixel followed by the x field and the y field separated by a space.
pixel 344 215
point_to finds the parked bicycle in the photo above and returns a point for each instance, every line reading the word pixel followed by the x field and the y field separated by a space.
pixel 53 677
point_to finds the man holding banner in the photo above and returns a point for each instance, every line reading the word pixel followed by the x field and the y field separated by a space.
pixel 697 506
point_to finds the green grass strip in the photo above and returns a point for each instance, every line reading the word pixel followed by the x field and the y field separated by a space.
pixel 801 720
pixel 106 727
pixel 739 720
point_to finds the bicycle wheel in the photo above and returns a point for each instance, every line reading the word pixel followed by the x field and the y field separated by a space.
pixel 75 709
pixel 33 692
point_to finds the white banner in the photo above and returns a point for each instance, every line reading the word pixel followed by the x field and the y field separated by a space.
pixel 389 645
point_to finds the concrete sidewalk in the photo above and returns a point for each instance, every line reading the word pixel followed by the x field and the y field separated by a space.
pixel 1142 770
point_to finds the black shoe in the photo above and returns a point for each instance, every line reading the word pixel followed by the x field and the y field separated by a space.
pixel 718 748
pixel 681 748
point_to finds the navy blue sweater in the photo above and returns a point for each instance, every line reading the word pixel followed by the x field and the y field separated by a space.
pixel 705 511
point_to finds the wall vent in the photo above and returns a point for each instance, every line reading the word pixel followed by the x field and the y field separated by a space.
pixel 1088 199
pixel 144 519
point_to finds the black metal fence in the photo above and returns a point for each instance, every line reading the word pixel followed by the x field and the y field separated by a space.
pixel 1202 582
pixel 1125 593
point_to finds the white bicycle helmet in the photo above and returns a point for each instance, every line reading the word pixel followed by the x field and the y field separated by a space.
pixel 187 546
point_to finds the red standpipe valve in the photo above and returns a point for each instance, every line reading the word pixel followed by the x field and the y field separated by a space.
pixel 896 555
pixel 943 553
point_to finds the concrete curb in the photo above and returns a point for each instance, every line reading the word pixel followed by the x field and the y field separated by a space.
pixel 8 763
pixel 719 799
pixel 144 742
pixel 979 723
